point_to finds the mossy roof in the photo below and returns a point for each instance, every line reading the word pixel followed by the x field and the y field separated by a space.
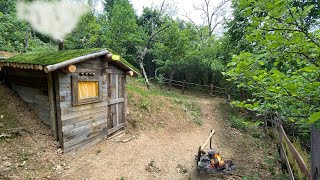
pixel 54 57
pixel 50 57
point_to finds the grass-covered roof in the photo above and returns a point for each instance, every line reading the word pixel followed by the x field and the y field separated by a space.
pixel 49 57
pixel 46 58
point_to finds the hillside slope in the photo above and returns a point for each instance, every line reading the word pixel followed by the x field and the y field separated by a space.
pixel 168 126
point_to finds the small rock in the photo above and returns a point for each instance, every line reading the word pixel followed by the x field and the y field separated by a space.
pixel 22 164
pixel 7 164
pixel 59 151
pixel 4 158
pixel 1 117
pixel 48 177
pixel 56 144
pixel 161 122
pixel 66 167
pixel 58 167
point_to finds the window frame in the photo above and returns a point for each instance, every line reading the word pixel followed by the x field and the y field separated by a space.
pixel 75 91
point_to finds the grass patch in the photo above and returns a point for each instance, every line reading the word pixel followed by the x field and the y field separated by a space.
pixel 243 124
pixel 135 85
pixel 191 109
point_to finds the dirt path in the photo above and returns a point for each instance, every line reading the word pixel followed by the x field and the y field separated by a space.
pixel 173 153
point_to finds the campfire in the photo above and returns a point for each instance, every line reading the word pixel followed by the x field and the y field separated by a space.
pixel 211 161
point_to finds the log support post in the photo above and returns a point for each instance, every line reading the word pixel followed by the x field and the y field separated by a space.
pixel 183 86
pixel 211 89
pixel 315 153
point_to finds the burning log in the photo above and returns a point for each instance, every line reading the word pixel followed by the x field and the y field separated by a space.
pixel 211 161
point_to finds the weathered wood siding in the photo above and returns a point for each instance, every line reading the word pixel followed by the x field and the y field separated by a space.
pixel 83 125
pixel 32 87
pixel 116 99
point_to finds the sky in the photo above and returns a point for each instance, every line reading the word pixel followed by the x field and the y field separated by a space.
pixel 182 7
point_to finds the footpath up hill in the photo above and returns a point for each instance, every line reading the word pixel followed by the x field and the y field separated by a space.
pixel 168 126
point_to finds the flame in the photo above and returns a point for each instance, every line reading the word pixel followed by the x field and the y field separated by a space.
pixel 220 160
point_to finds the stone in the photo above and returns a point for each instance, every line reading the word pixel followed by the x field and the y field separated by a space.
pixel 4 158
pixel 59 151
pixel 7 164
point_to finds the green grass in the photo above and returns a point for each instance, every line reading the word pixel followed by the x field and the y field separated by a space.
pixel 50 57
pixel 54 57
pixel 245 125
pixel 293 163
pixel 191 109
pixel 135 85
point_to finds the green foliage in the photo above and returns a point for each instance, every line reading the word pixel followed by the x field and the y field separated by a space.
pixel 245 125
pixel 87 34
pixel 123 34
pixel 281 70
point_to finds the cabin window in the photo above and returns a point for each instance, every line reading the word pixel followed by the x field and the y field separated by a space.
pixel 86 89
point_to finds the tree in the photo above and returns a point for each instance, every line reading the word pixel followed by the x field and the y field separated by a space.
pixel 16 35
pixel 282 70
pixel 214 15
pixel 87 34
pixel 123 34
pixel 153 26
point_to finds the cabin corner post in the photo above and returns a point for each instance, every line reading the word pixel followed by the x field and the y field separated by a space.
pixel 125 109
pixel 58 109
pixel 52 103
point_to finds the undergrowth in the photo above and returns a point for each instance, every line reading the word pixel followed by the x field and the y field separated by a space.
pixel 299 175
pixel 8 116
pixel 137 86
pixel 245 125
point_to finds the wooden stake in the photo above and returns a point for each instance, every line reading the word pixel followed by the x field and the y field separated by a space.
pixel 211 89
pixel 207 141
pixel 183 85
pixel 130 73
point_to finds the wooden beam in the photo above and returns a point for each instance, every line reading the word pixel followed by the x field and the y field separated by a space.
pixel 207 141
pixel 70 69
pixel 52 102
pixel 295 153
pixel 315 153
pixel 130 73
pixel 109 56
pixel 55 67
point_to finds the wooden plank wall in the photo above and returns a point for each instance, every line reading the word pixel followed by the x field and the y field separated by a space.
pixel 116 99
pixel 86 124
pixel 32 87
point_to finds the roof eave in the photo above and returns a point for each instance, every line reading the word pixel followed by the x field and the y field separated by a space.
pixel 54 67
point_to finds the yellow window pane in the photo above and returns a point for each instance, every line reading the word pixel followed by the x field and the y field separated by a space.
pixel 88 89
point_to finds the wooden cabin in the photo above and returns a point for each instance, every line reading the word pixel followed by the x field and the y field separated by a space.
pixel 80 94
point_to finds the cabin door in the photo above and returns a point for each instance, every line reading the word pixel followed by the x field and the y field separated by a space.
pixel 116 91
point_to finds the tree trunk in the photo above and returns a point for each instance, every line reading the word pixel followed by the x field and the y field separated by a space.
pixel 26 41
pixel 61 46
pixel 144 74
pixel 170 80
pixel 142 55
